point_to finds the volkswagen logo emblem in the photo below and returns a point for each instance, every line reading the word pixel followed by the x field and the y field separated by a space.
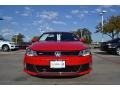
pixel 57 53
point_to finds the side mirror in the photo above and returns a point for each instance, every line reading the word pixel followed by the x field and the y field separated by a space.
pixel 34 40
pixel 82 40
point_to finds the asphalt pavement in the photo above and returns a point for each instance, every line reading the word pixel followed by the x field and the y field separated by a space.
pixel 106 71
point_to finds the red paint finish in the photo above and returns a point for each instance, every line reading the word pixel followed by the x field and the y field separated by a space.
pixel 58 46
pixel 45 60
pixel 53 45
pixel 50 74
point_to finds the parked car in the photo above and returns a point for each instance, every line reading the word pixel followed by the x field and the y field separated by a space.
pixel 58 54
pixel 111 46
pixel 7 45
pixel 24 45
pixel 95 45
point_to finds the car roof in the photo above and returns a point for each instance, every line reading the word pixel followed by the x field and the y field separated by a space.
pixel 57 32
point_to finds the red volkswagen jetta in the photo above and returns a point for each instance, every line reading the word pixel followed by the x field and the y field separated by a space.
pixel 58 54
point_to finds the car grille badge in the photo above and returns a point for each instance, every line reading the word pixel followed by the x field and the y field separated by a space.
pixel 57 53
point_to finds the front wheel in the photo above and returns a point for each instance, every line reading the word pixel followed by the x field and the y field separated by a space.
pixel 118 51
pixel 5 48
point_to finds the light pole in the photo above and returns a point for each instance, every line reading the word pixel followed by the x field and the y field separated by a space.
pixel 102 19
pixel 16 39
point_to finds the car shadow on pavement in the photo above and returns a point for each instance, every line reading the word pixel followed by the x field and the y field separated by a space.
pixel 58 77
pixel 61 77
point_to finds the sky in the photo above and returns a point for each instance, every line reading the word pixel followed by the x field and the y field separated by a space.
pixel 34 20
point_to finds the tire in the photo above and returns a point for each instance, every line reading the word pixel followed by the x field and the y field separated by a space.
pixel 5 48
pixel 118 51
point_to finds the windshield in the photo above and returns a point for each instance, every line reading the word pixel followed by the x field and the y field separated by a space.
pixel 115 40
pixel 58 37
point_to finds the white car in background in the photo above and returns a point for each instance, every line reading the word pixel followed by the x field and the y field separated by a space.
pixel 7 45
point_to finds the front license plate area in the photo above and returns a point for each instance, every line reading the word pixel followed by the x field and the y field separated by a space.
pixel 57 64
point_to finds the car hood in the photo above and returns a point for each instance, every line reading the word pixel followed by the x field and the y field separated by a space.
pixel 48 45
pixel 7 41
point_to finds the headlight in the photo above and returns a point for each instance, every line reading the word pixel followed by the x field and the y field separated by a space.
pixel 85 52
pixel 109 44
pixel 30 52
pixel 12 43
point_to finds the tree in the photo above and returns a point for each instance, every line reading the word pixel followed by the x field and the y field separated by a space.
pixel 111 27
pixel 84 33
pixel 18 38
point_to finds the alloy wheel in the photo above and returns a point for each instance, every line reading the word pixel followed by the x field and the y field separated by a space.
pixel 5 48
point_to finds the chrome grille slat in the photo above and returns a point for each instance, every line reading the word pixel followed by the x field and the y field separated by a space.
pixel 52 53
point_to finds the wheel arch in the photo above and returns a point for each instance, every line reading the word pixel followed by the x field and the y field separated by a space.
pixel 5 45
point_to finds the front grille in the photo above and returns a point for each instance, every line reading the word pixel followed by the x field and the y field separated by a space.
pixel 52 53
pixel 75 68
pixel 67 69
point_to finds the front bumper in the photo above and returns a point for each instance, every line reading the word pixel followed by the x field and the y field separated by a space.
pixel 104 48
pixel 12 47
pixel 51 74
pixel 108 48
pixel 40 66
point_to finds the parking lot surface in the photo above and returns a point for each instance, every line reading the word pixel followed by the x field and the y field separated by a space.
pixel 106 70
